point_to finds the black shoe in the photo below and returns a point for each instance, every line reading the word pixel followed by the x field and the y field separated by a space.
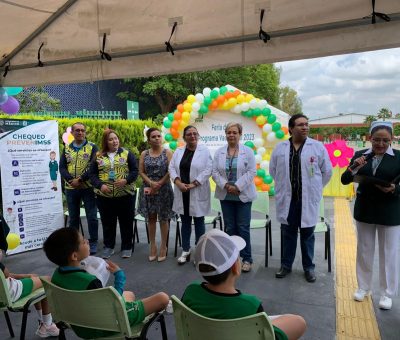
pixel 282 273
pixel 310 275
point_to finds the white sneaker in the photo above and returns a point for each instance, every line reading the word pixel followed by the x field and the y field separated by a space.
pixel 185 257
pixel 385 302
pixel 360 294
pixel 46 331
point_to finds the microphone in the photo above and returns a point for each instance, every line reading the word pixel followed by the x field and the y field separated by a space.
pixel 367 158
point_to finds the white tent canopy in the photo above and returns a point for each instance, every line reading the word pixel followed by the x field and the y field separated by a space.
pixel 209 35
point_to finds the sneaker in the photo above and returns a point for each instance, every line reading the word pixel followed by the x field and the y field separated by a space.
pixel 246 267
pixel 360 294
pixel 126 254
pixel 46 331
pixel 93 248
pixel 385 302
pixel 107 252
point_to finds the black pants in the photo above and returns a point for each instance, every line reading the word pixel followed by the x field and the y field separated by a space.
pixel 111 210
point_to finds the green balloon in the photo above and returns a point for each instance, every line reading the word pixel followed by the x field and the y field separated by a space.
pixel 271 191
pixel 203 109
pixel 267 179
pixel 271 118
pixel 173 145
pixel 264 112
pixel 223 89
pixel 167 123
pixel 214 94
pixel 170 116
pixel 261 173
pixel 256 112
pixel 268 110
pixel 276 126
pixel 207 101
pixel 249 144
pixel 168 137
pixel 279 134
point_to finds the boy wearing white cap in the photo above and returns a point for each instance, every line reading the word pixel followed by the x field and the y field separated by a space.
pixel 217 260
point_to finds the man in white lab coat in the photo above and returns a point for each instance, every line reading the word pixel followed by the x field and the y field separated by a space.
pixel 301 168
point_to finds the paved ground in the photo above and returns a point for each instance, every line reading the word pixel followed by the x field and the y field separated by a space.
pixel 315 301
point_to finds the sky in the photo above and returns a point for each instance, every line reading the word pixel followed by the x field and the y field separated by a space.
pixel 360 82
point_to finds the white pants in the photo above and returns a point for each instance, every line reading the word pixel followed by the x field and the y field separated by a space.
pixel 388 240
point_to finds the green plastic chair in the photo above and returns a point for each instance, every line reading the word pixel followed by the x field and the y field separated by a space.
pixel 101 309
pixel 322 226
pixel 209 219
pixel 261 205
pixel 192 326
pixel 21 305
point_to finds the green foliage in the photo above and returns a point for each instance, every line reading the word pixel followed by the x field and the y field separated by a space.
pixel 347 131
pixel 289 102
pixel 130 132
pixel 37 101
pixel 369 119
pixel 384 113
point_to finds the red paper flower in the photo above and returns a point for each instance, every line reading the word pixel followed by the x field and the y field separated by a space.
pixel 339 153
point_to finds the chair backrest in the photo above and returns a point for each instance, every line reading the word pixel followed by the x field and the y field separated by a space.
pixel 192 326
pixel 102 308
pixel 322 209
pixel 215 202
pixel 261 203
pixel 5 298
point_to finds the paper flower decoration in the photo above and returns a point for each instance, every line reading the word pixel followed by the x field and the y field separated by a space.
pixel 339 153
pixel 67 136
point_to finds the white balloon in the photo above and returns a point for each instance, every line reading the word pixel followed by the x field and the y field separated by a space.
pixel 206 92
pixel 245 106
pixel 253 103
pixel 264 165
pixel 196 106
pixel 166 146
pixel 261 151
pixel 193 116
pixel 262 103
pixel 258 142
pixel 216 88
pixel 237 109
pixel 267 128
pixel 271 137
pixel 199 98
pixel 258 159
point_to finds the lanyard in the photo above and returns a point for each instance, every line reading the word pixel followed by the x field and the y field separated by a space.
pixel 231 161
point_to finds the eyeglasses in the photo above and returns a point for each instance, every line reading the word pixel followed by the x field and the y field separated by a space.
pixel 379 140
pixel 79 130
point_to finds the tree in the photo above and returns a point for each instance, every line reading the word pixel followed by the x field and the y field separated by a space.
pixel 384 113
pixel 289 102
pixel 161 94
pixel 37 101
pixel 370 119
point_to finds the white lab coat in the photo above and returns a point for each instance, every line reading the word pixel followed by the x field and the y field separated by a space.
pixel 200 170
pixel 313 155
pixel 246 170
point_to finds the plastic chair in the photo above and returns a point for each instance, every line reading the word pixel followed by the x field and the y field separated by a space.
pixel 100 309
pixel 192 326
pixel 209 219
pixel 261 205
pixel 321 227
pixel 21 305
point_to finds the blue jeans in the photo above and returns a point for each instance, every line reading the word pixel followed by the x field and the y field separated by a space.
pixel 237 217
pixel 199 229
pixel 74 198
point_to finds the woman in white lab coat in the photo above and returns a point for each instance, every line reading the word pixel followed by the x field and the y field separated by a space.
pixel 190 170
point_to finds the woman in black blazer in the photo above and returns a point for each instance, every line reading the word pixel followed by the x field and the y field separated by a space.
pixel 377 210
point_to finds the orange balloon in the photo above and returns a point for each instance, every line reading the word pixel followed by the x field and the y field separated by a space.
pixel 178 115
pixel 182 144
pixel 228 95
pixel 175 124
pixel 214 105
pixel 174 133
pixel 257 166
pixel 285 129
pixel 258 181
pixel 264 187
pixel 220 100
pixel 180 108
pixel 236 93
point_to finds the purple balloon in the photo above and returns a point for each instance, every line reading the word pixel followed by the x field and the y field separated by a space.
pixel 3 95
pixel 11 106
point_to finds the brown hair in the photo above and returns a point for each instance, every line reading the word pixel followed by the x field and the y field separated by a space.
pixel 104 140
pixel 149 131
pixel 233 124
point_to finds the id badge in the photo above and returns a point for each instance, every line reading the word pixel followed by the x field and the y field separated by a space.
pixel 111 175
pixel 311 170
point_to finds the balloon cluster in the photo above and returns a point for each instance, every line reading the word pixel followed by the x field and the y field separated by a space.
pixel 237 102
pixel 8 103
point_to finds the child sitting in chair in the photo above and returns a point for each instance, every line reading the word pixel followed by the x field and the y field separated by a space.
pixel 67 248
pixel 21 285
pixel 217 260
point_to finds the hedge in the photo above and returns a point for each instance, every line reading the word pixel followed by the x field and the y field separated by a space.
pixel 130 132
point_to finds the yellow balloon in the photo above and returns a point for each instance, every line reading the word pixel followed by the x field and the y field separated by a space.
pixel 232 102
pixel 191 99
pixel 260 120
pixel 240 98
pixel 186 116
pixel 182 125
pixel 187 107
pixel 248 98
pixel 225 106
pixel 268 157
pixel 13 241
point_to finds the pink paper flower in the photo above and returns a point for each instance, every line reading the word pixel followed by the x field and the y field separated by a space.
pixel 339 153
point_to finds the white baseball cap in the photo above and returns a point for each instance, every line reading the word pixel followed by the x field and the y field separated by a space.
pixel 219 250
